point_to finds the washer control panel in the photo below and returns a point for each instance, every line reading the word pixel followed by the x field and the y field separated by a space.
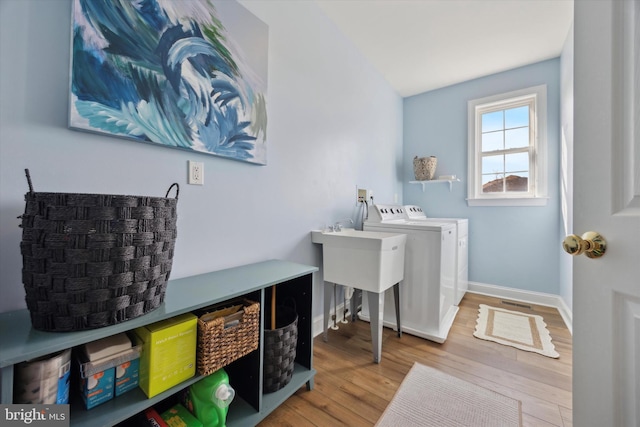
pixel 386 213
pixel 414 212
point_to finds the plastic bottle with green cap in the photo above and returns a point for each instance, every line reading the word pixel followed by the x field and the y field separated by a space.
pixel 210 399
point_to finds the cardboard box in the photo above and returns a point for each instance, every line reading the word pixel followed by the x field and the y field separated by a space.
pixel 127 376
pixel 112 374
pixel 97 388
pixel 178 416
pixel 153 419
pixel 168 354
pixel 64 381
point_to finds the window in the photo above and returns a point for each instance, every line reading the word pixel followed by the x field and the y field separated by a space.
pixel 507 149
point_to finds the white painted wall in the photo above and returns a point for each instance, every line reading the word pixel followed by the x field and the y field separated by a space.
pixel 334 123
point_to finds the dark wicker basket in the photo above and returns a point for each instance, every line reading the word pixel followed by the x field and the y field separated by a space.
pixel 280 350
pixel 94 260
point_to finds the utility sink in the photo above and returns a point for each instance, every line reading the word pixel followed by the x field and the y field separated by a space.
pixel 368 260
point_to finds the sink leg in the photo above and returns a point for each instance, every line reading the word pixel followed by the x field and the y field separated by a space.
pixel 396 298
pixel 357 293
pixel 376 310
pixel 334 317
pixel 328 288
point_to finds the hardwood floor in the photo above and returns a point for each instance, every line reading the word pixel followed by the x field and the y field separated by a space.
pixel 350 390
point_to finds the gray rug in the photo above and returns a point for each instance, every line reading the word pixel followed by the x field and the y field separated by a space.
pixel 428 397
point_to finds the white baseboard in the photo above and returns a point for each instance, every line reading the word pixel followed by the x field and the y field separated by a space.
pixel 531 297
pixel 318 326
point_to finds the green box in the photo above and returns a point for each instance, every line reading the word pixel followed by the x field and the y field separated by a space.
pixel 168 354
pixel 178 416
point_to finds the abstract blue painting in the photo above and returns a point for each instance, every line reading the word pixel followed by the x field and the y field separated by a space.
pixel 189 74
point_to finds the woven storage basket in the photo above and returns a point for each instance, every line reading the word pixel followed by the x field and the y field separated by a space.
pixel 280 349
pixel 94 260
pixel 424 168
pixel 219 346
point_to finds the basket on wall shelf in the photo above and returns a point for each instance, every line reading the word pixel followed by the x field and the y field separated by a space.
pixel 424 168
pixel 94 260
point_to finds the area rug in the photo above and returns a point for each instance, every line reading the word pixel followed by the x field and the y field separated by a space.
pixel 430 398
pixel 520 330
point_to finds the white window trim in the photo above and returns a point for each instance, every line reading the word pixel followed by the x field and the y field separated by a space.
pixel 538 172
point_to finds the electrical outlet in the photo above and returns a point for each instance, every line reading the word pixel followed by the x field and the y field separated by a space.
pixel 362 195
pixel 196 173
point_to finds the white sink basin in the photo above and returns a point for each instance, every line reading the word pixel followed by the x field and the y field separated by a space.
pixel 368 260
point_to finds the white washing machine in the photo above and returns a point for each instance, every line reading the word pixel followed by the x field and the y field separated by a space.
pixel 427 293
pixel 415 213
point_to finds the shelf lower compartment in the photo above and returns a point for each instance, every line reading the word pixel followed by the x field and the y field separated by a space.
pixel 119 408
pixel 241 413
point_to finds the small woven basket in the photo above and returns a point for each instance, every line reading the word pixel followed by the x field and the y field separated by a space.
pixel 94 260
pixel 424 168
pixel 220 342
pixel 280 350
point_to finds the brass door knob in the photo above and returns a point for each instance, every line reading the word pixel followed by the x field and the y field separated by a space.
pixel 591 244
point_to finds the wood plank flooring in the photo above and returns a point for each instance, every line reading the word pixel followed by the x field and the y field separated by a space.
pixel 350 390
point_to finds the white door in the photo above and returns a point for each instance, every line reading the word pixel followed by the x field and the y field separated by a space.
pixel 606 301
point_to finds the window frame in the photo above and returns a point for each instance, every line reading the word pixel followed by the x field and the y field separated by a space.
pixel 536 98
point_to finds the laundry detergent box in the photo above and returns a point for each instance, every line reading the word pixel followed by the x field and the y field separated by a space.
pixel 127 376
pixel 97 366
pixel 97 388
pixel 168 353
pixel 151 418
pixel 179 416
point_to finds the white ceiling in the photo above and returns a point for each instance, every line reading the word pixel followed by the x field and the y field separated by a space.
pixel 421 45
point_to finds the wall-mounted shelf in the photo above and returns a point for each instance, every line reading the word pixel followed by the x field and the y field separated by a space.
pixel 433 181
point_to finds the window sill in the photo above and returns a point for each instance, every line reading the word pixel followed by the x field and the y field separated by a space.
pixel 509 201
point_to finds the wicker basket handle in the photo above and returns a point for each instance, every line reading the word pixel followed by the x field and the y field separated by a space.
pixel 175 184
pixel 26 172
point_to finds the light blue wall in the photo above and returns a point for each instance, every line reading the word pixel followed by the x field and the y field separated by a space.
pixel 515 247
pixel 334 123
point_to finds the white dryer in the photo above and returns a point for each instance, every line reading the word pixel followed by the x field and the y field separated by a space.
pixel 415 213
pixel 427 293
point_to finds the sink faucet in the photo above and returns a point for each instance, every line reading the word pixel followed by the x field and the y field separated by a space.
pixel 337 226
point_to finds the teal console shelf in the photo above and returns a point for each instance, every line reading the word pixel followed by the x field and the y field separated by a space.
pixel 19 342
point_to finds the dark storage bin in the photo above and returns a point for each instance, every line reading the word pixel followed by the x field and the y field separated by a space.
pixel 94 260
pixel 280 349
